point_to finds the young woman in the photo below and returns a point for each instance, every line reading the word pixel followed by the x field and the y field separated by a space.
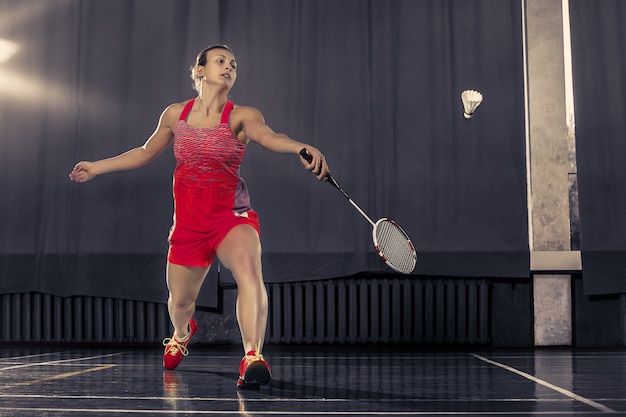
pixel 212 214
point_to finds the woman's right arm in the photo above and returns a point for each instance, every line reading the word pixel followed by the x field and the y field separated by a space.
pixel 136 157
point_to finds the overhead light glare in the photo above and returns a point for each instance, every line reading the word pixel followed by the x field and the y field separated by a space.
pixel 7 50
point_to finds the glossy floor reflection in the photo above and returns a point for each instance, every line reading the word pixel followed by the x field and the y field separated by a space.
pixel 323 381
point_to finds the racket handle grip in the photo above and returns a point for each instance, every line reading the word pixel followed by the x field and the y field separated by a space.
pixel 306 155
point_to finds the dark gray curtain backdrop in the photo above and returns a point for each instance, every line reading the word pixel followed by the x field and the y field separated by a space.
pixel 599 65
pixel 374 84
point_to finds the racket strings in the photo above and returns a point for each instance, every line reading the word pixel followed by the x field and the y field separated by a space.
pixel 394 246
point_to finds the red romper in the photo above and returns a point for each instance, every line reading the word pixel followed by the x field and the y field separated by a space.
pixel 210 198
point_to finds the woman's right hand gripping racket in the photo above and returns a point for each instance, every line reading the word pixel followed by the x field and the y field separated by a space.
pixel 390 241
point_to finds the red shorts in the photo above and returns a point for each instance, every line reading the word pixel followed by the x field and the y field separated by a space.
pixel 198 248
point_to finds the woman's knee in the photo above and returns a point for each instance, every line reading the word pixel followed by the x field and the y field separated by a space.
pixel 181 303
pixel 248 274
pixel 244 264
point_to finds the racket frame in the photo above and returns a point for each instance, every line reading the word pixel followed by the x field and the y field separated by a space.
pixel 308 157
pixel 381 253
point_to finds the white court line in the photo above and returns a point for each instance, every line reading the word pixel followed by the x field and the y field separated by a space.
pixel 26 365
pixel 563 391
pixel 325 357
pixel 306 413
pixel 288 399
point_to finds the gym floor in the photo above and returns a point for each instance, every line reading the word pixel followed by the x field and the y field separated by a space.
pixel 313 380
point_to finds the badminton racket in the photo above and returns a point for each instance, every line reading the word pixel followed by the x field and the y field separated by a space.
pixel 391 242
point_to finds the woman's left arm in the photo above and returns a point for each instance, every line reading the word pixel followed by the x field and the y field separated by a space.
pixel 255 129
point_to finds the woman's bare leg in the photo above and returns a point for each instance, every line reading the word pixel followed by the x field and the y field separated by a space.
pixel 184 285
pixel 240 252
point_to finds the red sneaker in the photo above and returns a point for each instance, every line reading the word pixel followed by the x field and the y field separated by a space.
pixel 253 371
pixel 176 350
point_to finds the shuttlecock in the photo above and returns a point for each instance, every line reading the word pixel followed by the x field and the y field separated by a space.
pixel 471 100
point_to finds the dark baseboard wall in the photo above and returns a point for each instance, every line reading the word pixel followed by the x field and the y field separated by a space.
pixel 418 311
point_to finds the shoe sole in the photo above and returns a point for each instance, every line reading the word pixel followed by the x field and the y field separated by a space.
pixel 257 373
pixel 245 385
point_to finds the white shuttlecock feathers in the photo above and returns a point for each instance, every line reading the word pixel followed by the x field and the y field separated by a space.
pixel 471 100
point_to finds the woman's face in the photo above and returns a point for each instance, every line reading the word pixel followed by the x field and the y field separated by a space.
pixel 220 67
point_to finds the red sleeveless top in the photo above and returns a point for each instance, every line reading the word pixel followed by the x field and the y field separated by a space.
pixel 207 165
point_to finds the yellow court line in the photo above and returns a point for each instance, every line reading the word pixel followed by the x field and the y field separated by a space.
pixel 27 365
pixel 60 376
